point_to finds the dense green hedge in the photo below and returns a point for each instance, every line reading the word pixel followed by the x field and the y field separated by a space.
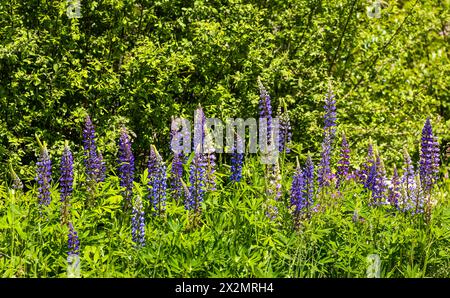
pixel 140 62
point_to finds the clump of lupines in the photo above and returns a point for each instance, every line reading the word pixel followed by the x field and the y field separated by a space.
pixel 157 184
pixel 429 158
pixel 325 175
pixel 17 183
pixel 138 222
pixel 197 180
pixel 126 167
pixel 285 133
pixel 265 108
pixel 44 174
pixel 343 168
pixel 66 181
pixel 394 195
pixel 73 241
pixel 93 159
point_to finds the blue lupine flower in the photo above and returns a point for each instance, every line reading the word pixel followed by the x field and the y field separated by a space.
pixel 344 162
pixel 298 198
pixel 44 175
pixel 93 159
pixel 285 133
pixel 325 175
pixel 265 108
pixel 126 167
pixel 66 180
pixel 237 160
pixel 157 184
pixel 411 200
pixel 378 186
pixel 17 183
pixel 429 158
pixel 138 222
pixel 364 172
pixel 394 195
pixel 308 174
pixel 197 179
pixel 176 174
pixel 73 241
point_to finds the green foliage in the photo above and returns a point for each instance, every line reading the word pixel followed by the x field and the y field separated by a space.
pixel 141 62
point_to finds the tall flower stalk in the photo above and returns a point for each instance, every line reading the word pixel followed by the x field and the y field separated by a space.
pixel 265 108
pixel 138 223
pixel 126 168
pixel 237 159
pixel 197 181
pixel 394 193
pixel 93 159
pixel 429 158
pixel 157 185
pixel 66 181
pixel 44 174
pixel 298 199
pixel 17 183
pixel 285 133
pixel 176 170
pixel 325 175
pixel 411 198
pixel 378 186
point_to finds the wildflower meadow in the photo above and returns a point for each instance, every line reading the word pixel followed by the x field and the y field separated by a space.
pixel 211 139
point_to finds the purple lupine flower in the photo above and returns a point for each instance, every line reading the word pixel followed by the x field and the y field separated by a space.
pixel 138 223
pixel 365 171
pixel 429 158
pixel 157 184
pixel 92 159
pixel 176 176
pixel 237 159
pixel 309 180
pixel 344 162
pixel 285 133
pixel 197 179
pixel 325 175
pixel 210 171
pixel 44 174
pixel 66 180
pixel 378 186
pixel 411 197
pixel 394 190
pixel 126 167
pixel 265 108
pixel 298 198
pixel 73 241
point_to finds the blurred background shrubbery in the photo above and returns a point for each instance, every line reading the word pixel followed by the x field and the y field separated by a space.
pixel 140 62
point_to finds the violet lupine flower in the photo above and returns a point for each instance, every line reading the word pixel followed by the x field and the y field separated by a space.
pixel 429 158
pixel 73 241
pixel 176 176
pixel 308 174
pixel 138 223
pixel 197 179
pixel 298 198
pixel 378 186
pixel 157 185
pixel 411 196
pixel 285 133
pixel 93 161
pixel 44 175
pixel 325 175
pixel 344 163
pixel 202 136
pixel 394 189
pixel 365 171
pixel 66 181
pixel 126 167
pixel 237 160
pixel 265 109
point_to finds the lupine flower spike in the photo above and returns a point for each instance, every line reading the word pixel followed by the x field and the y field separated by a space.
pixel 265 108
pixel 379 182
pixel 176 174
pixel 325 174
pixel 17 183
pixel 197 180
pixel 343 168
pixel 126 168
pixel 411 191
pixel 66 181
pixel 138 223
pixel 298 199
pixel 44 174
pixel 236 164
pixel 394 195
pixel 157 185
pixel 429 158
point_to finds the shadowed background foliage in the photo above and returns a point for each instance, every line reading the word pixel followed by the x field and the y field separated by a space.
pixel 137 63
